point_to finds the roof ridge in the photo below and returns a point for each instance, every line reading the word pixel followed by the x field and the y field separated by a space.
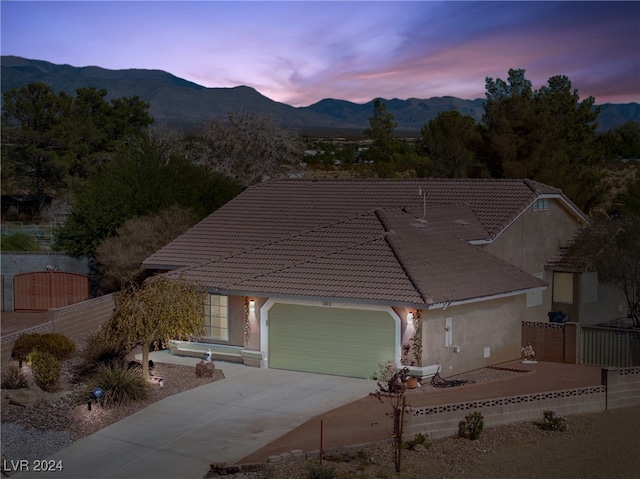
pixel 298 234
pixel 291 265
pixel 389 234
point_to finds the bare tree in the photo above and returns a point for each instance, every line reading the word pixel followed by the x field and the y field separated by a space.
pixel 119 257
pixel 619 261
pixel 247 147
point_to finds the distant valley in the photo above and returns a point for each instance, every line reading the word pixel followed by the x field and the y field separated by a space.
pixel 180 103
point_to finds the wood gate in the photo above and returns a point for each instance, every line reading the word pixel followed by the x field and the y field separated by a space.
pixel 48 289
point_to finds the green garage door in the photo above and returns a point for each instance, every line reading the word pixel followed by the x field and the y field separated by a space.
pixel 341 342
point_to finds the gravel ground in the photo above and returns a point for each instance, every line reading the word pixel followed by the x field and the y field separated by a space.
pixel 595 445
pixel 58 419
pixel 601 445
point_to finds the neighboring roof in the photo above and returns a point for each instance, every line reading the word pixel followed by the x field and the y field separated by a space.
pixel 369 241
pixel 576 255
pixel 280 209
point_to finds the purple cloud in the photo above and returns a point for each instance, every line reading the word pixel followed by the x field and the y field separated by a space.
pixel 301 52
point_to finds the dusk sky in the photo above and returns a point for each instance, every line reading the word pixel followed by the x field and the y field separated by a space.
pixel 301 52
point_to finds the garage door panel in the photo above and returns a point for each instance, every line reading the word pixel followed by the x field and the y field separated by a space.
pixel 338 341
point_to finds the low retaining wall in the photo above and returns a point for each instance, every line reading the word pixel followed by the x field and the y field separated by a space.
pixel 620 388
pixel 442 421
pixel 623 387
pixel 74 321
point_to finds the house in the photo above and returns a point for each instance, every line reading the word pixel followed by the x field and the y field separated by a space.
pixel 340 276
pixel 577 290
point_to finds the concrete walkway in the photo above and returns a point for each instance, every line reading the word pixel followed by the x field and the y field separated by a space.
pixel 180 436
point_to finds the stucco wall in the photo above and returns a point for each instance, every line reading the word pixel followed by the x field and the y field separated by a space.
pixel 491 324
pixel 530 241
pixel 610 304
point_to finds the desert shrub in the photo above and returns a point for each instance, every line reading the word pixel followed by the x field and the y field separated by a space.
pixel 552 422
pixel 420 439
pixel 98 352
pixel 24 345
pixel 318 471
pixel 120 385
pixel 46 369
pixel 471 426
pixel 55 344
pixel 13 377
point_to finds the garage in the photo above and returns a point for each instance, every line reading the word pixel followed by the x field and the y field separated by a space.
pixel 330 340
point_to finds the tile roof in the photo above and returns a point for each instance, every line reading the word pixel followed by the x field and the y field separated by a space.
pixel 370 241
pixel 275 210
pixel 576 254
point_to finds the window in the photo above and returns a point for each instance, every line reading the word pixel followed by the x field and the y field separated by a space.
pixel 541 204
pixel 216 317
pixel 563 288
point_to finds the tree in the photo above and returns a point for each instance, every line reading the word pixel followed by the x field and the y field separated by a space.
pixel 625 140
pixel 246 147
pixel 381 126
pixel 547 135
pixel 146 175
pixel 52 142
pixel 160 308
pixel 450 141
pixel 119 257
pixel 389 155
pixel 616 257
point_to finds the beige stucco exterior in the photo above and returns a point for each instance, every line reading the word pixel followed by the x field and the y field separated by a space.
pixel 493 324
pixel 530 241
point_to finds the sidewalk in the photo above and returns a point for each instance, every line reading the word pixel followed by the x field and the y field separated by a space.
pixel 365 420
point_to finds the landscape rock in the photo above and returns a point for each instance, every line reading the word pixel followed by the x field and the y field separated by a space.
pixel 205 369
pixel 22 397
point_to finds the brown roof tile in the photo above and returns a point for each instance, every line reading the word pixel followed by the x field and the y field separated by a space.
pixel 368 240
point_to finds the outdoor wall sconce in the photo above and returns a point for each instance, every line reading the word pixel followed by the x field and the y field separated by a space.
pixel 409 318
pixel 252 306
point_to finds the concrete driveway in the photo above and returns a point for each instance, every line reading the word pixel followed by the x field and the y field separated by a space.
pixel 224 421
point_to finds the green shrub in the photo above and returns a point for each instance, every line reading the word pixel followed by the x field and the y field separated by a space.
pixel 471 426
pixel 56 344
pixel 99 352
pixel 59 345
pixel 420 439
pixel 120 385
pixel 24 345
pixel 46 369
pixel 13 377
pixel 552 422
pixel 318 471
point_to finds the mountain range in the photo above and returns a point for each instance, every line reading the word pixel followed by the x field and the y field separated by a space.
pixel 184 104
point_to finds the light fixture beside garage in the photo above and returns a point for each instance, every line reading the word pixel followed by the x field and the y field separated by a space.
pixel 252 306
pixel 409 317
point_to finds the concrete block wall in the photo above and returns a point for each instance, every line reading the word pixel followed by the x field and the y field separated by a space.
pixel 7 343
pixel 76 320
pixel 442 421
pixel 623 387
pixel 549 342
